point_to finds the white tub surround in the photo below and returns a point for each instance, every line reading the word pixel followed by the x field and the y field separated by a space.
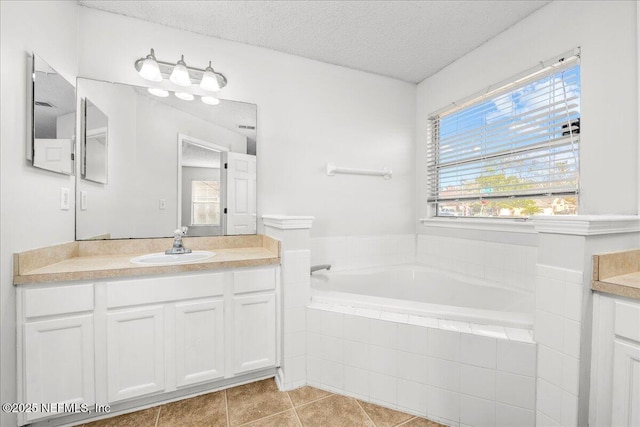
pixel 355 252
pixel 510 261
pixel 423 291
pixel 293 234
pixel 563 318
pixel 448 371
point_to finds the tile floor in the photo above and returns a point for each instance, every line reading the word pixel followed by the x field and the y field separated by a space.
pixel 260 404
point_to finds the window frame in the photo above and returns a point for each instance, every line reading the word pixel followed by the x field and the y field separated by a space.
pixel 548 68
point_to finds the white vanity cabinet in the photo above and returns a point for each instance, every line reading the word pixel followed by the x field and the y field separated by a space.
pixel 147 336
pixel 615 370
pixel 56 342
pixel 163 333
pixel 254 320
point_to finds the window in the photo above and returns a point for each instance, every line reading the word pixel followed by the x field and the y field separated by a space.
pixel 513 152
pixel 205 201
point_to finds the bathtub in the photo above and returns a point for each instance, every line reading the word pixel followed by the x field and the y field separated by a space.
pixel 424 291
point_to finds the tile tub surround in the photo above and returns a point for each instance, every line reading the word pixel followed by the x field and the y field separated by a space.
pixel 451 372
pixel 111 258
pixel 617 273
pixel 261 404
pixel 557 330
pixel 354 252
pixel 503 263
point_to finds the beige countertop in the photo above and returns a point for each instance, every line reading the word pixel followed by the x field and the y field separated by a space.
pixel 86 260
pixel 617 273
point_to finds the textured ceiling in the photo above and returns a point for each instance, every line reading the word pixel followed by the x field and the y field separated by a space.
pixel 407 40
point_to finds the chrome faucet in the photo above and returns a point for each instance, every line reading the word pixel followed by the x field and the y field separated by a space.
pixel 320 267
pixel 177 243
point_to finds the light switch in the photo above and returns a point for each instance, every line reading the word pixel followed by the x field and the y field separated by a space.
pixel 162 204
pixel 64 199
pixel 83 200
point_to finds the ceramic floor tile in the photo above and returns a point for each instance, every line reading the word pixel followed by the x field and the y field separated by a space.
pixel 334 411
pixel 208 410
pixel 144 418
pixel 306 394
pixel 256 400
pixel 284 419
pixel 384 417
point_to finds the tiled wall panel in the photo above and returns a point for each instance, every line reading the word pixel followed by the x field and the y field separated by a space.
pixel 458 378
pixel 557 329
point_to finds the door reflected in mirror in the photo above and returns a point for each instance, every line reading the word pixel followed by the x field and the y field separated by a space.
pixel 200 197
pixel 166 166
pixel 52 122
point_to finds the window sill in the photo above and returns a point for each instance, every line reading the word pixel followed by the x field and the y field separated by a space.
pixel 578 225
pixel 497 224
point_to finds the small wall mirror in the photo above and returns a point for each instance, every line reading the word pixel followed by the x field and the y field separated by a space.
pixel 52 119
pixel 94 143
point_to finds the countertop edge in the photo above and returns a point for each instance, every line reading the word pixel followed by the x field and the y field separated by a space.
pixel 141 271
pixel 616 289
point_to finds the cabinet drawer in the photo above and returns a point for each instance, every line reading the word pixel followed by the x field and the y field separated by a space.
pixel 58 300
pixel 627 320
pixel 161 289
pixel 259 279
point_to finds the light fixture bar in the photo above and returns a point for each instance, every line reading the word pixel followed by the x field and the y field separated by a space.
pixel 194 73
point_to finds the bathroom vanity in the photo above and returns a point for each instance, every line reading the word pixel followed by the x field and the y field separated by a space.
pixel 615 364
pixel 96 330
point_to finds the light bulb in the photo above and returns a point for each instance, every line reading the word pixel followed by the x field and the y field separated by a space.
pixel 180 74
pixel 210 80
pixel 210 100
pixel 184 96
pixel 158 92
pixel 150 69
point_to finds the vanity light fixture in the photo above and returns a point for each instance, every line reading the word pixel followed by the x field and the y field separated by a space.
pixel 158 92
pixel 210 80
pixel 210 100
pixel 180 74
pixel 184 96
pixel 149 69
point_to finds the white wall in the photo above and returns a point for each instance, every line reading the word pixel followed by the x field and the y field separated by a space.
pixel 30 216
pixel 309 113
pixel 606 32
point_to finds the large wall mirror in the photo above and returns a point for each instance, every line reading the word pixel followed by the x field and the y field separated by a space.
pixel 160 163
pixel 50 144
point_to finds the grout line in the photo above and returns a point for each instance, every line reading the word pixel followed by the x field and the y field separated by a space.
pixel 226 407
pixel 406 422
pixel 264 418
pixel 294 409
pixel 158 416
pixel 362 409
pixel 316 400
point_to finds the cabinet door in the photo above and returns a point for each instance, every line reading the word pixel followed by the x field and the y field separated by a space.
pixel 626 384
pixel 254 333
pixel 135 352
pixel 59 362
pixel 199 341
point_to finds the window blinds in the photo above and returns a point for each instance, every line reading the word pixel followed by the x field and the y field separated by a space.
pixel 519 141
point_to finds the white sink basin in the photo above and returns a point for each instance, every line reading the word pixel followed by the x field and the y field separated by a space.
pixel 163 259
